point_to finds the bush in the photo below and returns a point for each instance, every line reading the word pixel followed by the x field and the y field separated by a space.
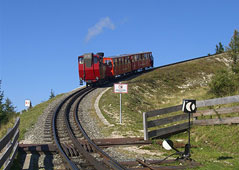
pixel 223 83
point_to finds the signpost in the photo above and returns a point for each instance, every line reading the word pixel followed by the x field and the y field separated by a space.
pixel 28 103
pixel 120 88
pixel 189 107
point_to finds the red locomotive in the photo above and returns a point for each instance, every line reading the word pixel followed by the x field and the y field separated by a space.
pixel 96 69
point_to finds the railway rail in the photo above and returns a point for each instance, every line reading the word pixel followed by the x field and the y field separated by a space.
pixel 67 130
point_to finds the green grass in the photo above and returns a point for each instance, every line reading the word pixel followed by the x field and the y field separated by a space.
pixel 5 127
pixel 166 87
pixel 30 117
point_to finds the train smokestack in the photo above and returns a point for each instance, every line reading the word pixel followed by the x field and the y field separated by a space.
pixel 100 54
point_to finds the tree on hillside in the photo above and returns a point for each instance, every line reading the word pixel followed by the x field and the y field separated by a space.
pixel 52 94
pixel 223 83
pixel 219 48
pixel 7 109
pixel 233 51
pixel 3 116
pixel 1 99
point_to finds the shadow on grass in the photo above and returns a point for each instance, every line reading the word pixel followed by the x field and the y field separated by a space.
pixel 224 157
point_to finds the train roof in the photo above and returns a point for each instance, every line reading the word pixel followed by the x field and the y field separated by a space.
pixel 124 55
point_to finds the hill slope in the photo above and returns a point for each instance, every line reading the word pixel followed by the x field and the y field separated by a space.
pixel 160 88
pixel 167 86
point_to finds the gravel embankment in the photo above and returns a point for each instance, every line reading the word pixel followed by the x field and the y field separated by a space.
pixel 36 133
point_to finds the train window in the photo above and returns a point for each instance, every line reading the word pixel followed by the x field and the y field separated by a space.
pixel 95 60
pixel 81 60
pixel 108 62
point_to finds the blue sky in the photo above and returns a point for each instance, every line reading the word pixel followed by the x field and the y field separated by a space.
pixel 41 39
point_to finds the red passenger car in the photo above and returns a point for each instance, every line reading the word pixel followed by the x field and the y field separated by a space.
pixel 95 68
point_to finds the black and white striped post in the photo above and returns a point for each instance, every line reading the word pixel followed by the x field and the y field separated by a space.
pixel 189 106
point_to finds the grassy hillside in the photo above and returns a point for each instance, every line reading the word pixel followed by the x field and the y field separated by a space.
pixel 165 87
pixel 161 88
pixel 27 118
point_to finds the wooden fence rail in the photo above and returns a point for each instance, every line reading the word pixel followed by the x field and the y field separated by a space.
pixel 170 124
pixel 9 146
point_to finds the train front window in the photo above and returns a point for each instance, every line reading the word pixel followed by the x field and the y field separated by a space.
pixel 95 60
pixel 81 60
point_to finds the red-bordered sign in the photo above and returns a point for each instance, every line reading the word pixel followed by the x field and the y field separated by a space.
pixel 121 88
pixel 27 103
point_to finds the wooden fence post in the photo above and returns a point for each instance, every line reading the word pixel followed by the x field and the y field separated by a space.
pixel 145 123
pixel 8 146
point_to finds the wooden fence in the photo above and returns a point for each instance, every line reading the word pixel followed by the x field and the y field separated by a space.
pixel 9 146
pixel 179 122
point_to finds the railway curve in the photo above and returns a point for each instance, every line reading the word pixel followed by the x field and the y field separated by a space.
pixel 63 124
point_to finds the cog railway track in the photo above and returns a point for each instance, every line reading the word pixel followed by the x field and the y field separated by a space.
pixel 67 133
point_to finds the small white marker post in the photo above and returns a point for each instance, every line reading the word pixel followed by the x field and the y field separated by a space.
pixel 120 88
pixel 28 104
pixel 120 109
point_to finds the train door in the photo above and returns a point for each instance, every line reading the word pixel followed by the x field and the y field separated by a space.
pixel 115 66
pixel 123 65
pixel 120 65
pixel 109 68
pixel 102 68
pixel 136 62
pixel 140 61
pixel 151 60
pixel 81 69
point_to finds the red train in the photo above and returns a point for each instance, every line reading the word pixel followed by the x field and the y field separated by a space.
pixel 96 69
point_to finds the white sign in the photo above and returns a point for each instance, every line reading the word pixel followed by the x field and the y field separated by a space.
pixel 27 103
pixel 121 88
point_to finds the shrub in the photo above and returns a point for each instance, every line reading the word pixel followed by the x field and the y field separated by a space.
pixel 223 83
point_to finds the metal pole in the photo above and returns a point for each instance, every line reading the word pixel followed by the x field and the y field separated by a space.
pixel 189 114
pixel 120 110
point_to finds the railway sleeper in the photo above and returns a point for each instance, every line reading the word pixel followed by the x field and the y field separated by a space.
pixel 72 150
pixel 65 149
